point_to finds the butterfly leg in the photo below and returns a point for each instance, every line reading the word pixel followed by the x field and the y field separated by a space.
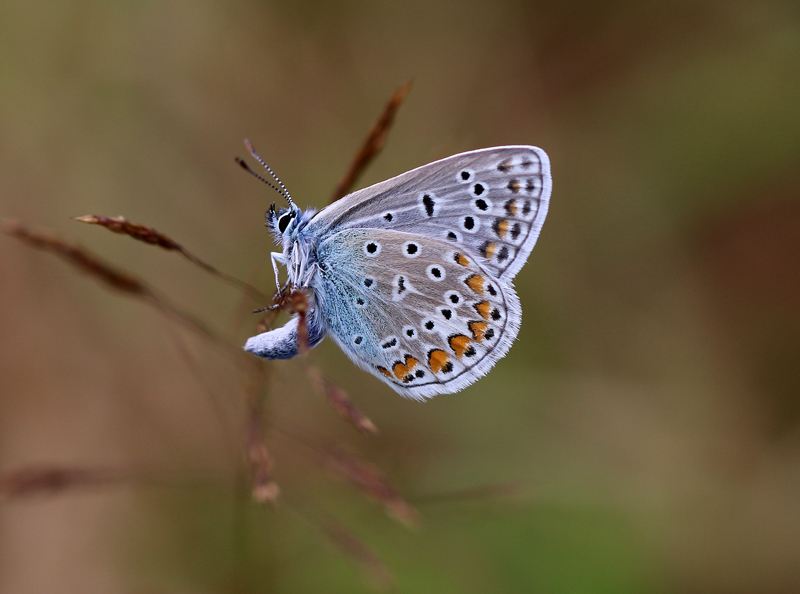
pixel 309 274
pixel 277 258
pixel 278 301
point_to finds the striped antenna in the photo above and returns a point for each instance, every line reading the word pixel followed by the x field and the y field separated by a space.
pixel 246 167
pixel 282 191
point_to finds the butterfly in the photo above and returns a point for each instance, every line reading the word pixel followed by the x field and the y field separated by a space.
pixel 412 277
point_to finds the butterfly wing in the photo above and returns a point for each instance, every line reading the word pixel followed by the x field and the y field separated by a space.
pixel 490 203
pixel 417 312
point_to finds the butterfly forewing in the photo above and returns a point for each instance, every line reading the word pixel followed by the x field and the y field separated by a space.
pixel 490 203
pixel 422 314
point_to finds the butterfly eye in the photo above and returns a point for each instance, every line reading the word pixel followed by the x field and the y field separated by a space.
pixel 283 222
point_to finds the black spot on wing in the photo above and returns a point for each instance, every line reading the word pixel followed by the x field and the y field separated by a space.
pixel 428 203
pixel 526 208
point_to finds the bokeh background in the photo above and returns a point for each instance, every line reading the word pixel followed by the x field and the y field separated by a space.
pixel 641 436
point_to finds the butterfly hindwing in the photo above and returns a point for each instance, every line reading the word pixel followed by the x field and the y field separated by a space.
pixel 421 314
pixel 490 203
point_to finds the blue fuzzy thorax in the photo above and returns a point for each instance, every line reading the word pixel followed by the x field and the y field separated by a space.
pixel 289 228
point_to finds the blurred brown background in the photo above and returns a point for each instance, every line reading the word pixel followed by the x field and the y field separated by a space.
pixel 645 422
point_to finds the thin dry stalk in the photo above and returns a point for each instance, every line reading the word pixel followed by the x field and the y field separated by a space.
pixel 285 299
pixel 371 481
pixel 372 143
pixel 49 481
pixel 112 277
pixel 373 570
pixel 149 235
pixel 296 302
pixel 78 257
pixel 278 305
pixel 265 324
pixel 340 401
pixel 264 488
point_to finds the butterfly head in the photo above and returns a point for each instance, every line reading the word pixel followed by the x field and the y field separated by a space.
pixel 284 223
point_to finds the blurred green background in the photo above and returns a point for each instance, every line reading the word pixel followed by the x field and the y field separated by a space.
pixel 641 436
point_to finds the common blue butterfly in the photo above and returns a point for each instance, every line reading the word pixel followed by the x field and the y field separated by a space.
pixel 412 276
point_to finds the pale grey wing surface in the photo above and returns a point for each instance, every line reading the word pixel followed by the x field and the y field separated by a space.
pixel 491 203
pixel 418 313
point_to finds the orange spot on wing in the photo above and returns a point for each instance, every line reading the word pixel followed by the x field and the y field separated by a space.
pixel 459 344
pixel 411 362
pixel 502 228
pixel 400 370
pixel 511 207
pixel 384 371
pixel 461 259
pixel 478 329
pixel 489 249
pixel 437 359
pixel 484 308
pixel 476 282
